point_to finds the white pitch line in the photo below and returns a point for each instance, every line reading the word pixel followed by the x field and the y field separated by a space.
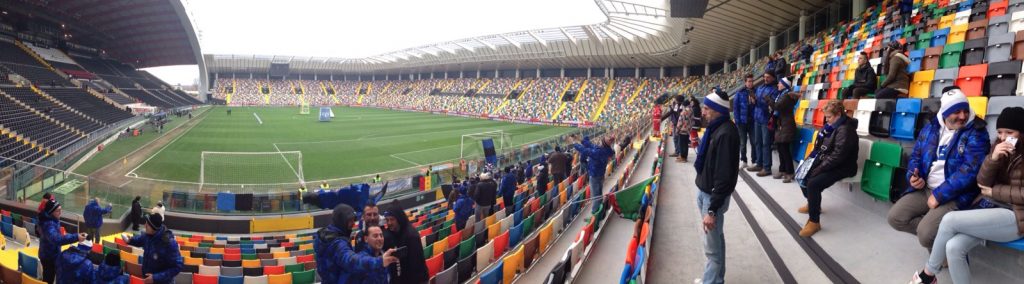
pixel 294 171
pixel 407 161
pixel 381 137
pixel 161 148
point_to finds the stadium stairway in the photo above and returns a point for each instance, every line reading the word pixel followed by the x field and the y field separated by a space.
pixel 538 273
pixel 607 255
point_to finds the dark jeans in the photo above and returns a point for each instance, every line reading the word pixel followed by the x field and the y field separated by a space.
pixel 763 147
pixel 682 143
pixel 558 178
pixel 812 191
pixel 746 134
pixel 855 92
pixel 509 200
pixel 94 234
pixel 886 93
pixel 49 270
pixel 785 157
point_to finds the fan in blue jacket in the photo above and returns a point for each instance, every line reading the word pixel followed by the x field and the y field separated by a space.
pixel 337 263
pixel 942 169
pixel 463 207
pixel 161 259
pixel 51 240
pixel 73 265
pixel 597 159
pixel 110 270
pixel 507 187
pixel 94 218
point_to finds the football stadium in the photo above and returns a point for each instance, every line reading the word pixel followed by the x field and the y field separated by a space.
pixel 455 141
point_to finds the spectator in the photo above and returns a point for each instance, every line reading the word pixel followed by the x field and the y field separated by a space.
pixel 897 80
pixel 508 189
pixel 135 215
pixel 837 145
pixel 463 206
pixel 942 169
pixel 597 160
pixel 337 261
pixel 695 120
pixel 94 218
pixel 73 265
pixel 719 154
pixel 542 178
pixel 484 194
pixel 374 240
pixel 412 265
pixel 558 165
pixel 161 259
pixel 683 125
pixel 785 129
pixel 781 66
pixel 371 217
pixel 110 272
pixel 1001 180
pixel 864 81
pixel 805 53
pixel 742 111
pixel 764 95
pixel 51 240
pixel 520 173
pixel 674 111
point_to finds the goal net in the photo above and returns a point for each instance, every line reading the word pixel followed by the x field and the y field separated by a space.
pixel 251 170
pixel 471 143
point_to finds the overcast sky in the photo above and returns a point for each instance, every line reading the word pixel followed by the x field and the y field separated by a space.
pixel 355 29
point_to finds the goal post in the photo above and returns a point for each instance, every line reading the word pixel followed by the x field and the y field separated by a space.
pixel 470 143
pixel 252 169
pixel 304 108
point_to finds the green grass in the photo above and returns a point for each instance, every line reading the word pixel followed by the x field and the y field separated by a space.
pixel 359 141
pixel 119 148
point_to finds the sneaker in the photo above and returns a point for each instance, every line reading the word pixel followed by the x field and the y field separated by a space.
pixel 810 229
pixel 777 175
pixel 764 173
pixel 743 165
pixel 754 169
pixel 918 279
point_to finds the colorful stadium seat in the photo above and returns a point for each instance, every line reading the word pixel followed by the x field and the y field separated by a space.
pixel 921 83
pixel 999 48
pixel 943 78
pixel 904 120
pixel 971 79
pixel 915 60
pixel 881 118
pixel 1018 46
pixel 484 255
pixel 1001 79
pixel 863 153
pixel 812 107
pixel 863 114
pixel 932 56
pixel 995 107
pixel 998 25
pixel 973 52
pixel 511 264
pixel 493 276
pixel 29 265
pixel 878 170
pixel 204 279
pixel 435 264
pixel 979 105
pixel 819 114
pixel 977 29
pixel 279 279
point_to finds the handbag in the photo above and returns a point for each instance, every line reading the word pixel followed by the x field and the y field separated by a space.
pixel 803 169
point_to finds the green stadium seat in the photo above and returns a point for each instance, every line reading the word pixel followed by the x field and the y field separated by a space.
pixel 878 170
pixel 304 277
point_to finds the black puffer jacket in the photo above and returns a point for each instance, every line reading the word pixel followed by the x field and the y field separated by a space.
pixel 838 151
pixel 485 192
pixel 785 129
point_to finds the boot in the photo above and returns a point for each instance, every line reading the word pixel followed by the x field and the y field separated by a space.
pixel 787 178
pixel 754 169
pixel 777 175
pixel 804 209
pixel 810 229
pixel 764 173
pixel 679 159
pixel 683 160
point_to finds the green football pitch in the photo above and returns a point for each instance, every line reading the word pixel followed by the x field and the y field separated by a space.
pixel 356 142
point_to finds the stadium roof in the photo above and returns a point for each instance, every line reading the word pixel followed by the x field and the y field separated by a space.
pixel 145 33
pixel 637 33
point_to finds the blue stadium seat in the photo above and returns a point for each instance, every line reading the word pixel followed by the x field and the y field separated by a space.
pixel 28 264
pixel 939 37
pixel 806 136
pixel 915 60
pixel 904 119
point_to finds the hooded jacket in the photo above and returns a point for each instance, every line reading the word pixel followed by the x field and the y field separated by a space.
pixel 966 152
pixel 508 184
pixel 161 256
pixel 413 265
pixel 596 156
pixel 73 267
pixel 785 122
pixel 338 263
pixel 486 192
pixel 94 214
pixel 108 274
pixel 741 107
pixel 897 76
pixel 764 95
pixel 464 207
pixel 52 240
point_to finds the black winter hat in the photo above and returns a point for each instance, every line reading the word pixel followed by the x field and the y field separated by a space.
pixel 771 72
pixel 1011 118
pixel 51 205
pixel 342 215
pixel 155 220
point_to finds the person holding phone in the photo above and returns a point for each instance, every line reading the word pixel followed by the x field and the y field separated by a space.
pixel 943 168
pixel 336 261
pixel 374 240
pixel 1001 180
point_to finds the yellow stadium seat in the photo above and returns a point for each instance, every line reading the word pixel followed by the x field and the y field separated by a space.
pixel 440 246
pixel 280 278
pixel 513 262
pixel 545 237
pixel 25 279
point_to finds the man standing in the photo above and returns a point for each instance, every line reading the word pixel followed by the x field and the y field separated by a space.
pixel 717 165
pixel 373 242
pixel 161 259
pixel 597 160
pixel 94 218
pixel 51 239
pixel 557 162
pixel 943 168
pixel 484 195
pixel 742 111
pixel 764 96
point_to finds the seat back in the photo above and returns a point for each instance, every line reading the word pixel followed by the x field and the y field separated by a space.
pixel 922 82
pixel 800 110
pixel 279 279
pixel 261 279
pixel 929 108
pixel 1001 79
pixel 819 113
pixel 881 118
pixel 812 106
pixel 805 138
pixel 434 265
pixel 943 78
pixel 931 59
pixel 971 79
pixel 977 29
pixel 999 47
pixel 9 275
pixel 493 276
pixel 997 9
pixel 950 57
pixel 957 33
pixel 484 255
pixel 915 60
pixel 864 109
pixel 974 51
pixel 904 120
pixel 1015 6
pixel 998 25
pixel 939 36
pixel 1016 22
pixel 204 279
pixel 231 280
pixel 924 40
pixel 29 265
pixel 850 105
pixel 878 170
pixel 995 107
pixel 979 105
pixel 863 153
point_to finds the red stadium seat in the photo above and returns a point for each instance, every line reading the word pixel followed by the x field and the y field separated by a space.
pixel 971 79
pixel 435 264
